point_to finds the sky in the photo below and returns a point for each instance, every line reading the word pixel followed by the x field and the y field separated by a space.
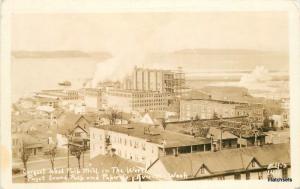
pixel 130 37
pixel 134 33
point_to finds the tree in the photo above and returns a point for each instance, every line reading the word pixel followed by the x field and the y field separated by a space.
pixel 51 154
pixel 78 155
pixel 163 123
pixel 24 157
pixel 192 122
pixel 76 151
pixel 113 116
pixel 215 115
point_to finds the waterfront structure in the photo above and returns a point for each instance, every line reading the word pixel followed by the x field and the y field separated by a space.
pixel 135 100
pixel 261 163
pixel 92 98
pixel 143 79
pixel 209 108
pixel 142 143
pixel 42 100
pixel 65 96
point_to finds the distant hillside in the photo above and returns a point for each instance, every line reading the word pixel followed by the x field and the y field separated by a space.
pixel 60 54
pixel 223 51
pixel 222 59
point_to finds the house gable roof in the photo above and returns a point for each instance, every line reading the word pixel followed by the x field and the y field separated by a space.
pixel 78 126
pixel 216 132
pixel 226 161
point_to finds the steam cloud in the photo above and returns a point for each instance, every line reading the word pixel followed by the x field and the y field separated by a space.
pixel 117 67
pixel 258 75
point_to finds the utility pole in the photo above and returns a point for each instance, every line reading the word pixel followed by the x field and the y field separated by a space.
pixel 84 148
pixel 240 137
pixel 83 156
pixel 68 158
pixel 211 142
pixel 69 138
pixel 221 135
pixel 221 129
pixel 255 137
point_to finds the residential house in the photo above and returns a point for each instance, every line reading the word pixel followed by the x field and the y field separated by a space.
pixel 235 164
pixel 217 135
pixel 23 141
pixel 80 136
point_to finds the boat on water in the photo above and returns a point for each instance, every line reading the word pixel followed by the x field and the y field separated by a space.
pixel 65 83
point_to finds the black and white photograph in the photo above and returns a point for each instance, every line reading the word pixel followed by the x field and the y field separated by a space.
pixel 150 96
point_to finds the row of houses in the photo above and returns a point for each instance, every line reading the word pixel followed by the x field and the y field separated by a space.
pixel 136 141
pixel 168 155
pixel 270 161
pixel 160 150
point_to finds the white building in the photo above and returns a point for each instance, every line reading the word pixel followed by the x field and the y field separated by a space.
pixel 142 143
pixel 93 98
pixel 133 100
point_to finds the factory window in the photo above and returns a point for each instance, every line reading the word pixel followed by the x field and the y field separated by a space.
pixel 136 144
pixel 202 170
pixel 237 176
pixel 77 134
pixel 247 176
pixel 143 146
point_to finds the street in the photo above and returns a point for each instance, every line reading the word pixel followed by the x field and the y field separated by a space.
pixel 38 165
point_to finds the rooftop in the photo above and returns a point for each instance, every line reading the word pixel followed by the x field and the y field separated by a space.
pixel 108 161
pixel 156 135
pixel 134 91
pixel 214 100
pixel 216 132
pixel 233 126
pixel 29 141
pixel 227 160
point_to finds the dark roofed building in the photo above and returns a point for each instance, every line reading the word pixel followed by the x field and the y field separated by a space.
pixel 243 163
pixel 24 141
